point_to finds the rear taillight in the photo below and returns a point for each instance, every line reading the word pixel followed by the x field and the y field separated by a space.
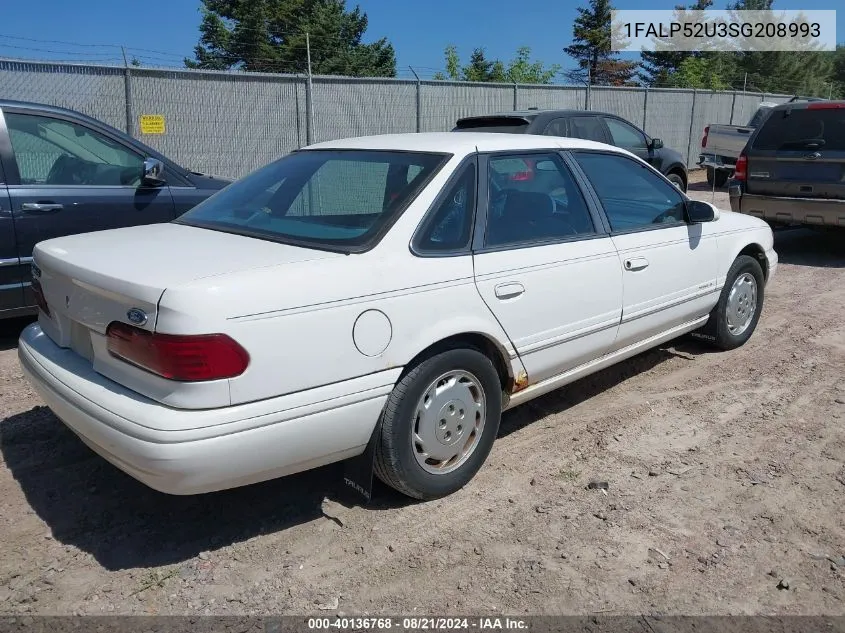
pixel 40 301
pixel 741 169
pixel 704 138
pixel 184 358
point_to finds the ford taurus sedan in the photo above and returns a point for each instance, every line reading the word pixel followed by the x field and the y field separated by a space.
pixel 405 288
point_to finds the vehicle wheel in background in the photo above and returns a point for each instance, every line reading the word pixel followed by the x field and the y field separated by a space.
pixel 719 176
pixel 677 180
pixel 439 424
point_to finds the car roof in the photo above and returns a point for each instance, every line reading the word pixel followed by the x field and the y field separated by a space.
pixel 803 105
pixel 462 144
pixel 532 114
pixel 43 107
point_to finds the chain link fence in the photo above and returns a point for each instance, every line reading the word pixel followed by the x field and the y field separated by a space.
pixel 229 123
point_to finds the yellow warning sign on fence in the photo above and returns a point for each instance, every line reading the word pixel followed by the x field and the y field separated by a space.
pixel 152 124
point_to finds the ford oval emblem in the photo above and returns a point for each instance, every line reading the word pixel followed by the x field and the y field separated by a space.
pixel 137 316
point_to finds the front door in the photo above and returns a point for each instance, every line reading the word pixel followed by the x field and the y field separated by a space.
pixel 630 138
pixel 68 178
pixel 669 267
pixel 544 265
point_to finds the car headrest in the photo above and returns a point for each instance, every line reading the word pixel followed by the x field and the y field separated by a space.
pixel 527 206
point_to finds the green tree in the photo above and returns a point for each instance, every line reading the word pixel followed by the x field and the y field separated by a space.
pixel 479 68
pixel 270 36
pixel 659 65
pixel 519 70
pixel 837 77
pixel 703 72
pixel 591 48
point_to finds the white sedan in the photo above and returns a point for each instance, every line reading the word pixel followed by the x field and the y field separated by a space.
pixel 405 288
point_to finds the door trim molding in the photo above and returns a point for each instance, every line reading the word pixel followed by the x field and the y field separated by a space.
pixel 560 380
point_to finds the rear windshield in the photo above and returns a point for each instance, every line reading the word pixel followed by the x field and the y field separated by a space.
pixel 502 125
pixel 803 129
pixel 334 199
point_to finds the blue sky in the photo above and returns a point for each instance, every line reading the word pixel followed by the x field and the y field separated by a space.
pixel 419 30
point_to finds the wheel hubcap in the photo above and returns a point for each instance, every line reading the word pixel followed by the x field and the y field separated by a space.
pixel 448 422
pixel 742 303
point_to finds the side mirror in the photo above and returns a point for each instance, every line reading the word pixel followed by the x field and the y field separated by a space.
pixel 699 211
pixel 656 143
pixel 153 172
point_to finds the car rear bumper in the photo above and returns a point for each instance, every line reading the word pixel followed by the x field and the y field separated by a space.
pixel 215 456
pixel 789 210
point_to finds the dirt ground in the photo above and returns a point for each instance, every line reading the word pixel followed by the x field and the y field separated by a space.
pixel 725 470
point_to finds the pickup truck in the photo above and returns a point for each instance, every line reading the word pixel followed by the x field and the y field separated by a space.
pixel 722 144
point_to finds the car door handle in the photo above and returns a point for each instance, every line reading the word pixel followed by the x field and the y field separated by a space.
pixel 41 207
pixel 509 290
pixel 636 263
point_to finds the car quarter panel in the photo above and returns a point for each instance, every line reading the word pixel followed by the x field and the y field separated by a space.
pixel 734 232
pixel 334 320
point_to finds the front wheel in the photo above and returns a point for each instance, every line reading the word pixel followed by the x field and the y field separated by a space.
pixel 439 424
pixel 735 317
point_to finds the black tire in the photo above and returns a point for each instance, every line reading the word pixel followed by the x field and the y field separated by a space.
pixel 720 177
pixel 716 331
pixel 395 462
pixel 677 180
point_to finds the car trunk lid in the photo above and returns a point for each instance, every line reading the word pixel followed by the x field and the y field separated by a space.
pixel 90 280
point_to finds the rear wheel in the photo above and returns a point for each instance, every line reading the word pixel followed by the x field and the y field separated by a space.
pixel 735 317
pixel 439 424
pixel 719 176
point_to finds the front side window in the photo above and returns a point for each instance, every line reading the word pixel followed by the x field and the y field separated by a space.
pixel 633 196
pixel 449 226
pixel 51 151
pixel 319 197
pixel 624 135
pixel 533 197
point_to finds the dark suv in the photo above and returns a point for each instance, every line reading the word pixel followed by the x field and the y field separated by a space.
pixel 62 172
pixel 792 170
pixel 590 125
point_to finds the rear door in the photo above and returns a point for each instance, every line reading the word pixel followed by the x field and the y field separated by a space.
pixel 68 178
pixel 11 290
pixel 800 152
pixel 544 264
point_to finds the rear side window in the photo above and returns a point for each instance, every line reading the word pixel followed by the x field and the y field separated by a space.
pixel 803 129
pixel 321 197
pixel 587 127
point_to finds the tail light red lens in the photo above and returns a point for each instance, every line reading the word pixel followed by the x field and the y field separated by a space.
pixel 704 138
pixel 192 358
pixel 40 301
pixel 741 169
